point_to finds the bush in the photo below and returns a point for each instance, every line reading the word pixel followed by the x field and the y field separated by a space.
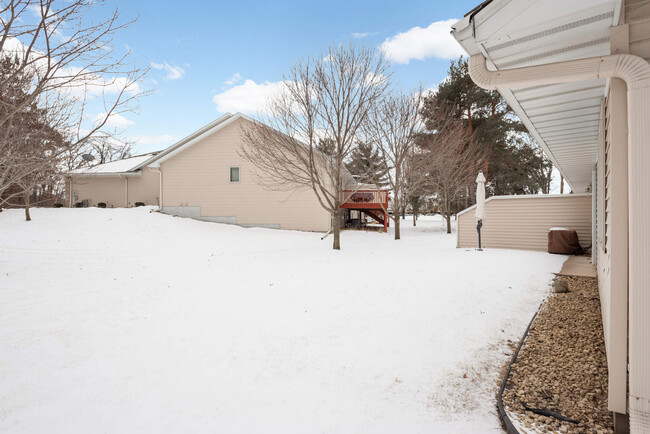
pixel 139 204
pixel 101 205
pixel 79 204
pixel 58 205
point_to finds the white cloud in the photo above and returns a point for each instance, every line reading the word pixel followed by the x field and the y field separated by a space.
pixel 92 85
pixel 375 79
pixel 360 35
pixel 422 43
pixel 174 72
pixel 248 97
pixel 236 78
pixel 72 80
pixel 161 139
pixel 115 120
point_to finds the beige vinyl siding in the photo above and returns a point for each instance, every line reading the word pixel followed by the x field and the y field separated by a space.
pixel 199 176
pixel 633 288
pixel 523 222
pixel 145 188
pixel 117 191
pixel 95 189
pixel 612 205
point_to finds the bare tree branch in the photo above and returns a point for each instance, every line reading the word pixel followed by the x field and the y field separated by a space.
pixel 313 123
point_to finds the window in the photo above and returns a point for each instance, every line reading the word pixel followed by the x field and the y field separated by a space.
pixel 234 174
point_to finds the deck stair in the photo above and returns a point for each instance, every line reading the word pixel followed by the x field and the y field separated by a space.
pixel 373 203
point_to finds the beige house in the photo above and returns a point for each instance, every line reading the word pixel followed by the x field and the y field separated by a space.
pixel 118 184
pixel 204 177
pixel 577 74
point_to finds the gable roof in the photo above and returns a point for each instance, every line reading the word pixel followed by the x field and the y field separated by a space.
pixel 113 168
pixel 194 138
pixel 131 166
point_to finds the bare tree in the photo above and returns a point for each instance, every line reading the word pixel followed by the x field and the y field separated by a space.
pixel 313 123
pixel 393 127
pixel 452 161
pixel 57 58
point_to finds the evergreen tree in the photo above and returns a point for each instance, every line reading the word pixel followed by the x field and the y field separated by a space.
pixel 30 143
pixel 367 166
pixel 513 164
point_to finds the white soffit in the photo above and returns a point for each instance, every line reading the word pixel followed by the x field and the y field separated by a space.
pixel 563 118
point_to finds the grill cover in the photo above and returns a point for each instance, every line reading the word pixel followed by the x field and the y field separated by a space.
pixel 564 242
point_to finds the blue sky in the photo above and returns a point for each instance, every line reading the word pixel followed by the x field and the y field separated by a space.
pixel 238 50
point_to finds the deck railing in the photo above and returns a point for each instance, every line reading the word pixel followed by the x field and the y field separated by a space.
pixel 365 198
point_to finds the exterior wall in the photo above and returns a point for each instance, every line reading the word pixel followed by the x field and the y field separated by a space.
pixel 113 189
pixel 108 189
pixel 624 245
pixel 145 188
pixel 612 229
pixel 199 177
pixel 522 222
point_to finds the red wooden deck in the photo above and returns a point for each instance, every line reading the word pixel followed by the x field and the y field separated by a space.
pixel 373 203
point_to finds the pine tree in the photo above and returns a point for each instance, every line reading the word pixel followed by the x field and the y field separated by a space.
pixel 513 164
pixel 367 166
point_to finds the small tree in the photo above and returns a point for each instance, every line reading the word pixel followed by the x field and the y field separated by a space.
pixel 57 58
pixel 393 128
pixel 313 123
pixel 452 161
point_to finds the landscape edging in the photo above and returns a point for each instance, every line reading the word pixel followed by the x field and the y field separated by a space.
pixel 510 428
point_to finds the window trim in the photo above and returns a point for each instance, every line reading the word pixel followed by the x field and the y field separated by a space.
pixel 238 174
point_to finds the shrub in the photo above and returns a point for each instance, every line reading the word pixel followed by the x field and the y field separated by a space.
pixel 58 205
pixel 101 205
pixel 79 204
pixel 139 204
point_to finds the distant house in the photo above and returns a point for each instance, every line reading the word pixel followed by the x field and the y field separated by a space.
pixel 118 184
pixel 204 177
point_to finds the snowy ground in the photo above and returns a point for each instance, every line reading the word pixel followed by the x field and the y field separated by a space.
pixel 116 321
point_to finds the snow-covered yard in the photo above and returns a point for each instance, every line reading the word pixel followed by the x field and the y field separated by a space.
pixel 122 320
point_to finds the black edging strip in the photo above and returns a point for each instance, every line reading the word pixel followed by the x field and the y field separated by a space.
pixel 510 428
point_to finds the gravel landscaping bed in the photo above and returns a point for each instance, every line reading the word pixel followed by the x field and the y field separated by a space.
pixel 562 366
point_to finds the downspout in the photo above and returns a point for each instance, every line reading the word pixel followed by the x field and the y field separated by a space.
pixel 160 187
pixel 70 191
pixel 636 73
pixel 126 191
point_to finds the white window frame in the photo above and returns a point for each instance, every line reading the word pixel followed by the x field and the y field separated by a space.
pixel 238 174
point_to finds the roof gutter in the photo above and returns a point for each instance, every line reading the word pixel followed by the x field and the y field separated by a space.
pixel 113 174
pixel 635 71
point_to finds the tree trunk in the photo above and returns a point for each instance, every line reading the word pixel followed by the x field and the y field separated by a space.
pixel 561 184
pixel 448 217
pixel 397 219
pixel 397 228
pixel 414 218
pixel 337 230
pixel 27 216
